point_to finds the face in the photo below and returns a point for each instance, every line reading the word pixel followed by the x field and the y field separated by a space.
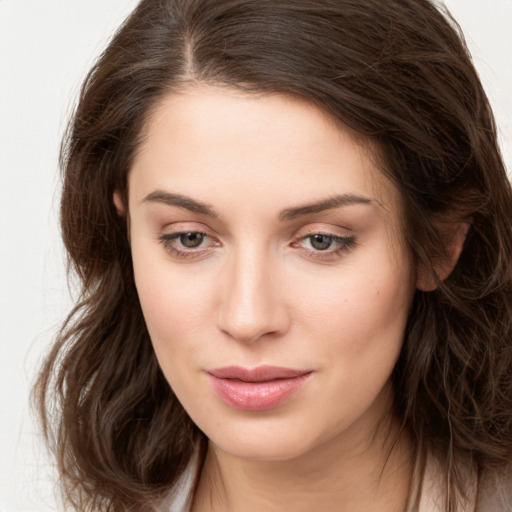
pixel 270 271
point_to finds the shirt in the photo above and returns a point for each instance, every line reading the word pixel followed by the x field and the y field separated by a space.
pixel 489 492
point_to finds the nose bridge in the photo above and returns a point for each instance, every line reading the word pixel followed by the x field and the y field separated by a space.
pixel 251 305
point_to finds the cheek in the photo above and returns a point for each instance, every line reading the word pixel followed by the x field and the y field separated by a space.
pixel 174 313
pixel 359 325
pixel 174 303
pixel 360 303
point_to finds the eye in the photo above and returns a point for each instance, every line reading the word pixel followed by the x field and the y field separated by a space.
pixel 191 240
pixel 320 242
pixel 324 245
pixel 188 243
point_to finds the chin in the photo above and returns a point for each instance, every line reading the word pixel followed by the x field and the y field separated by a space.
pixel 276 449
pixel 266 440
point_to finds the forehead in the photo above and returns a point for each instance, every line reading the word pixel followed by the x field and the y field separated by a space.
pixel 219 143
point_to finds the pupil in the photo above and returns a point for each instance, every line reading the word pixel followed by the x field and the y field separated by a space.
pixel 192 239
pixel 321 242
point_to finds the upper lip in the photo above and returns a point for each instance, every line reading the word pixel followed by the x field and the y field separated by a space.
pixel 258 374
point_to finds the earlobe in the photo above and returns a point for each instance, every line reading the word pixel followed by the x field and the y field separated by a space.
pixel 122 210
pixel 428 278
pixel 119 203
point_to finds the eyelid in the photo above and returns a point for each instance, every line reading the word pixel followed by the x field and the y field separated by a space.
pixel 167 237
pixel 322 229
pixel 344 242
pixel 339 238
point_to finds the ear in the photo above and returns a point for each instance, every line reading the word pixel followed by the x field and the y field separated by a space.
pixel 122 210
pixel 454 236
pixel 119 203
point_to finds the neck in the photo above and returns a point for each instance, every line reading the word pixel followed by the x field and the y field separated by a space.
pixel 342 475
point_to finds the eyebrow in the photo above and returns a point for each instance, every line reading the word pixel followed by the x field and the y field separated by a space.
pixel 327 204
pixel 182 201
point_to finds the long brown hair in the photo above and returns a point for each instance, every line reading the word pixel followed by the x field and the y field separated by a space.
pixel 397 72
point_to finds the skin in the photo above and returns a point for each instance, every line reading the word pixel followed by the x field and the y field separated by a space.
pixel 258 290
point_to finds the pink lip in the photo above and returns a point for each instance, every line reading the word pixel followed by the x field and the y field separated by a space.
pixel 256 389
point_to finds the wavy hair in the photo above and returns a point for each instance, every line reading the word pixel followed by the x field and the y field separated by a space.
pixel 398 73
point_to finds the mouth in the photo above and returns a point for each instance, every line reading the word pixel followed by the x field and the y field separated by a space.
pixel 256 389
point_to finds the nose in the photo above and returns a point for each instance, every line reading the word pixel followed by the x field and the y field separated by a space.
pixel 252 299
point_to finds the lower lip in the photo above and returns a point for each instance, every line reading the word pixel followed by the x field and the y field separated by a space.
pixel 257 396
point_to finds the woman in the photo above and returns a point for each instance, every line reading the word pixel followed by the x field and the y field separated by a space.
pixel 291 221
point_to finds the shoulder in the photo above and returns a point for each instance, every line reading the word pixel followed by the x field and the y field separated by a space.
pixel 179 498
pixel 488 491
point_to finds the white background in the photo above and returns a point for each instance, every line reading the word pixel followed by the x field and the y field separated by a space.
pixel 46 47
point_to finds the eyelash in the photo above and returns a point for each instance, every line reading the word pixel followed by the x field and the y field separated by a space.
pixel 344 243
pixel 167 240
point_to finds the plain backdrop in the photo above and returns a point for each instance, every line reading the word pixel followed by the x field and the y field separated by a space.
pixel 46 47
